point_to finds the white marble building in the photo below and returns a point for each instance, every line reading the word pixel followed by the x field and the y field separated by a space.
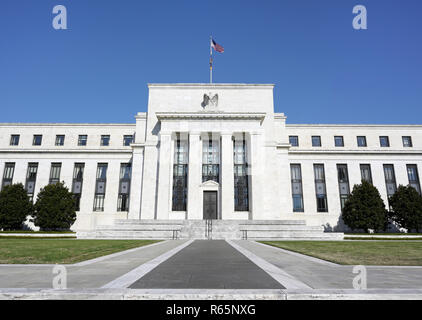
pixel 210 151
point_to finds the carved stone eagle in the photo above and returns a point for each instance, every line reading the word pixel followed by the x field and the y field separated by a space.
pixel 208 101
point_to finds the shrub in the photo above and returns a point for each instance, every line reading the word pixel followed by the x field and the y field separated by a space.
pixel 55 208
pixel 15 206
pixel 406 206
pixel 365 209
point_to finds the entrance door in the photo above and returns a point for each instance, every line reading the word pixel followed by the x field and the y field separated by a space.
pixel 210 205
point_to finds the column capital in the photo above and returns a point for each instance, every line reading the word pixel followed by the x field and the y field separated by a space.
pixel 226 133
pixel 194 133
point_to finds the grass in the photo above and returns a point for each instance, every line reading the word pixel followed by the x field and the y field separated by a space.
pixel 62 251
pixel 397 253
pixel 383 238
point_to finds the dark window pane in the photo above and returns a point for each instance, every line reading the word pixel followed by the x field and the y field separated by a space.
pixel 384 141
pixel 338 141
pixel 294 141
pixel 316 141
pixel 361 141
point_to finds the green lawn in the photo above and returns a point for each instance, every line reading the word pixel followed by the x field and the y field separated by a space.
pixel 62 251
pixel 398 253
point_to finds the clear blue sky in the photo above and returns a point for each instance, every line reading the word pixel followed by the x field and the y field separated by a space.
pixel 323 69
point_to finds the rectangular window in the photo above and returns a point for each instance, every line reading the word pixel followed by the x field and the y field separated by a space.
pixel 210 159
pixel 297 191
pixel 180 174
pixel 127 140
pixel 100 187
pixel 82 140
pixel 361 141
pixel 59 140
pixel 320 188
pixel 384 141
pixel 105 140
pixel 37 140
pixel 78 175
pixel 407 142
pixel 124 187
pixel 294 141
pixel 343 183
pixel 413 175
pixel 9 170
pixel 14 139
pixel 365 172
pixel 338 141
pixel 390 179
pixel 31 177
pixel 241 183
pixel 316 141
pixel 55 173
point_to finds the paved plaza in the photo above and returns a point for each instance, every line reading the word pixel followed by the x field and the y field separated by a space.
pixel 209 266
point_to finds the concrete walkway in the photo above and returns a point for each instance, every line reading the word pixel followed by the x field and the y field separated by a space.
pixel 319 274
pixel 208 265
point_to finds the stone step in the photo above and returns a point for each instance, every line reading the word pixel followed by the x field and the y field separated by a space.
pixel 147 227
pixel 281 228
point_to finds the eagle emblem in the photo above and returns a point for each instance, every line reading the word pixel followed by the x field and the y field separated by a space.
pixel 210 101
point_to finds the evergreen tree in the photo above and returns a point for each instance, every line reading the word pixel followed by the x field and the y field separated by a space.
pixel 365 209
pixel 15 206
pixel 406 206
pixel 55 208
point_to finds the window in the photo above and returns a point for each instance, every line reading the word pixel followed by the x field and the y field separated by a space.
pixel 14 140
pixel 413 175
pixel 390 179
pixel 127 140
pixel 316 141
pixel 37 140
pixel 180 174
pixel 210 159
pixel 59 140
pixel 321 192
pixel 338 141
pixel 407 142
pixel 105 140
pixel 55 173
pixel 82 140
pixel 31 177
pixel 343 183
pixel 124 187
pixel 361 141
pixel 100 187
pixel 78 175
pixel 365 172
pixel 297 192
pixel 294 141
pixel 9 170
pixel 241 185
pixel 384 141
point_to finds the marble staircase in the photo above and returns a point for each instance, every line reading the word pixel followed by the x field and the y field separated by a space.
pixel 211 229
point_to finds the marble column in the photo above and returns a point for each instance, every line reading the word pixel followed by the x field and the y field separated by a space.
pixel 227 178
pixel 164 176
pixel 194 210
pixel 136 182
pixel 255 171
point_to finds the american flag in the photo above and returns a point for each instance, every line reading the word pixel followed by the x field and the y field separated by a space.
pixel 216 46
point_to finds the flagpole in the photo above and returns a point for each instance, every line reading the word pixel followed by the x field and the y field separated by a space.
pixel 210 59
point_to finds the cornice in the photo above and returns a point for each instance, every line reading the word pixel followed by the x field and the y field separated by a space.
pixel 211 115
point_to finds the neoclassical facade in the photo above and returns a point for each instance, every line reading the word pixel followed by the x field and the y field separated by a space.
pixel 210 152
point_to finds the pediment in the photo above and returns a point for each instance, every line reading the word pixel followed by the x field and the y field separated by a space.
pixel 210 183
